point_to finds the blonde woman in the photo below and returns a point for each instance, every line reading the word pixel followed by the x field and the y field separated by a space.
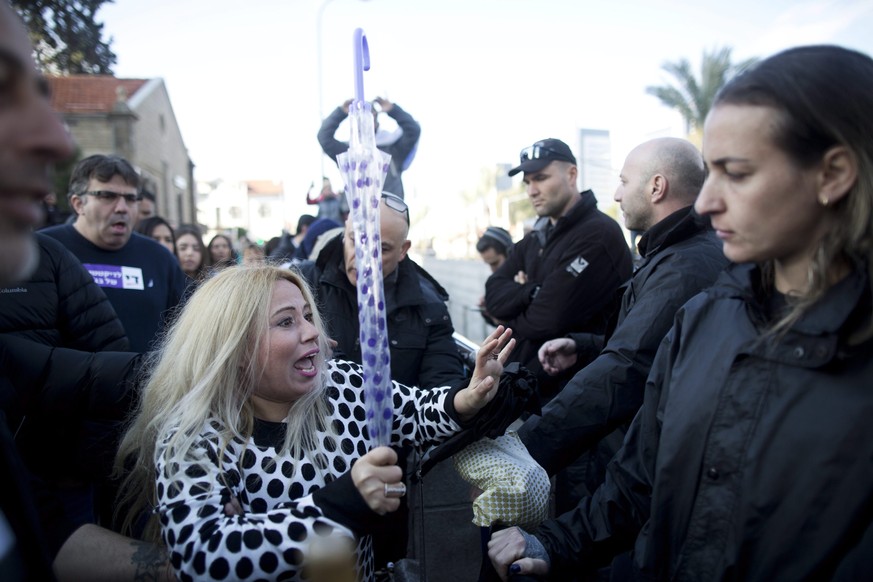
pixel 244 415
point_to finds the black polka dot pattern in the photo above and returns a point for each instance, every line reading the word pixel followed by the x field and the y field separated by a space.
pixel 272 538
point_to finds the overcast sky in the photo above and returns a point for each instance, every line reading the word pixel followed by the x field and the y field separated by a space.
pixel 483 77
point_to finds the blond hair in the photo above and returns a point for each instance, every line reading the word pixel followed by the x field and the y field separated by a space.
pixel 205 371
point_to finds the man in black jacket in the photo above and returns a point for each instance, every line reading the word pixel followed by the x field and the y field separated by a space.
pixel 562 276
pixel 420 330
pixel 36 378
pixel 681 256
pixel 401 149
pixel 31 138
pixel 61 306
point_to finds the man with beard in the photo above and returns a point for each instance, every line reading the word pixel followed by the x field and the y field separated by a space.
pixel 680 256
pixel 143 282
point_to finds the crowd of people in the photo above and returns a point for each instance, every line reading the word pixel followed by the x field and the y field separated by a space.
pixel 171 409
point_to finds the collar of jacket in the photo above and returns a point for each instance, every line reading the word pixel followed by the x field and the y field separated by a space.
pixel 587 203
pixel 820 334
pixel 682 224
pixel 411 278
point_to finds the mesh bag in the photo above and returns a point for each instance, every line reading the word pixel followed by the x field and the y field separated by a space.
pixel 515 488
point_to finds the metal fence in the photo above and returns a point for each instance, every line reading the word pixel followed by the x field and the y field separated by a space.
pixel 465 282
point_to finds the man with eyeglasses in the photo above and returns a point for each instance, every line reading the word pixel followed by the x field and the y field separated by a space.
pixel 143 281
pixel 420 330
pixel 563 275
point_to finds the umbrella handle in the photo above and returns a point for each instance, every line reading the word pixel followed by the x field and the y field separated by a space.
pixel 362 62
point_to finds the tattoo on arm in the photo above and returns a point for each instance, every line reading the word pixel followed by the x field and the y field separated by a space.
pixel 149 562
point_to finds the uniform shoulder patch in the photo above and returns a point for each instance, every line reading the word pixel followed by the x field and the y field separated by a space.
pixel 577 266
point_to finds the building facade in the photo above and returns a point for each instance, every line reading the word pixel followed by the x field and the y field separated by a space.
pixel 256 207
pixel 595 165
pixel 132 118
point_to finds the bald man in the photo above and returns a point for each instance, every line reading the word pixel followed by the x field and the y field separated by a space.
pixel 681 256
pixel 420 330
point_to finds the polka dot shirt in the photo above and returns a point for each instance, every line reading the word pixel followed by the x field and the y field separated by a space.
pixel 282 520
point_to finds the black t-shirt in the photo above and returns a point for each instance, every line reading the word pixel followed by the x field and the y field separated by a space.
pixel 142 280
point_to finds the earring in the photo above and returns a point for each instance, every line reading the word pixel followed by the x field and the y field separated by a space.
pixel 823 200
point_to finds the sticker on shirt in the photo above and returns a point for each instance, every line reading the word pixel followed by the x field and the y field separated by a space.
pixel 115 277
pixel 577 266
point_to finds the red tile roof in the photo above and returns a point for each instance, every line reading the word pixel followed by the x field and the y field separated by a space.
pixel 90 93
pixel 264 187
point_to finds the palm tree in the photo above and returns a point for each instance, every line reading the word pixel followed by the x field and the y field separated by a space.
pixel 692 97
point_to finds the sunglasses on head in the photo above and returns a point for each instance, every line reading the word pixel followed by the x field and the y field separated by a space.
pixel 536 152
pixel 395 202
pixel 109 197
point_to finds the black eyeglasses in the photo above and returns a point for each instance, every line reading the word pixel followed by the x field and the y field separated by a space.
pixel 396 202
pixel 109 197
pixel 536 152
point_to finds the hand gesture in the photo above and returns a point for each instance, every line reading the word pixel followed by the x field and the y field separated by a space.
pixel 506 549
pixel 379 480
pixel 384 104
pixel 493 353
pixel 521 277
pixel 557 355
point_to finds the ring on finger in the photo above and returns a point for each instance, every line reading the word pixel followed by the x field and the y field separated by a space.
pixel 395 490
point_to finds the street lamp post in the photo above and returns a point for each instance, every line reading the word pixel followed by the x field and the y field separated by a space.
pixel 319 16
pixel 319 64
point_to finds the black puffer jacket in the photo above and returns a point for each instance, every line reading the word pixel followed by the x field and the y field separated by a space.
pixel 45 395
pixel 750 459
pixel 420 330
pixel 60 305
pixel 681 258
pixel 59 385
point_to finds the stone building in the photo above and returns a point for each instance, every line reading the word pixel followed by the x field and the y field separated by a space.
pixel 132 118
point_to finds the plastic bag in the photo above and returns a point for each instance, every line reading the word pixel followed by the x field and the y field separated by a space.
pixel 515 487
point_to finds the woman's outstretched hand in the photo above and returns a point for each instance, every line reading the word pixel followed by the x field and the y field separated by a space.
pixel 492 355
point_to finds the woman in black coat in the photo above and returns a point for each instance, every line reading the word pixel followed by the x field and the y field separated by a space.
pixel 751 457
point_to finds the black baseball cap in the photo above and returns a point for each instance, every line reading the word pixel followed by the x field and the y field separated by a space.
pixel 536 157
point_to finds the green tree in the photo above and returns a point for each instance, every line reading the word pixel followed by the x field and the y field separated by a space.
pixel 692 97
pixel 66 37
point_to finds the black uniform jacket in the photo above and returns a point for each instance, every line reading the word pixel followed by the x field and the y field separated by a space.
pixel 420 330
pixel 572 276
pixel 750 458
pixel 681 257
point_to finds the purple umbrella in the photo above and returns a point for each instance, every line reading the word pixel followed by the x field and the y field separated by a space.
pixel 364 168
